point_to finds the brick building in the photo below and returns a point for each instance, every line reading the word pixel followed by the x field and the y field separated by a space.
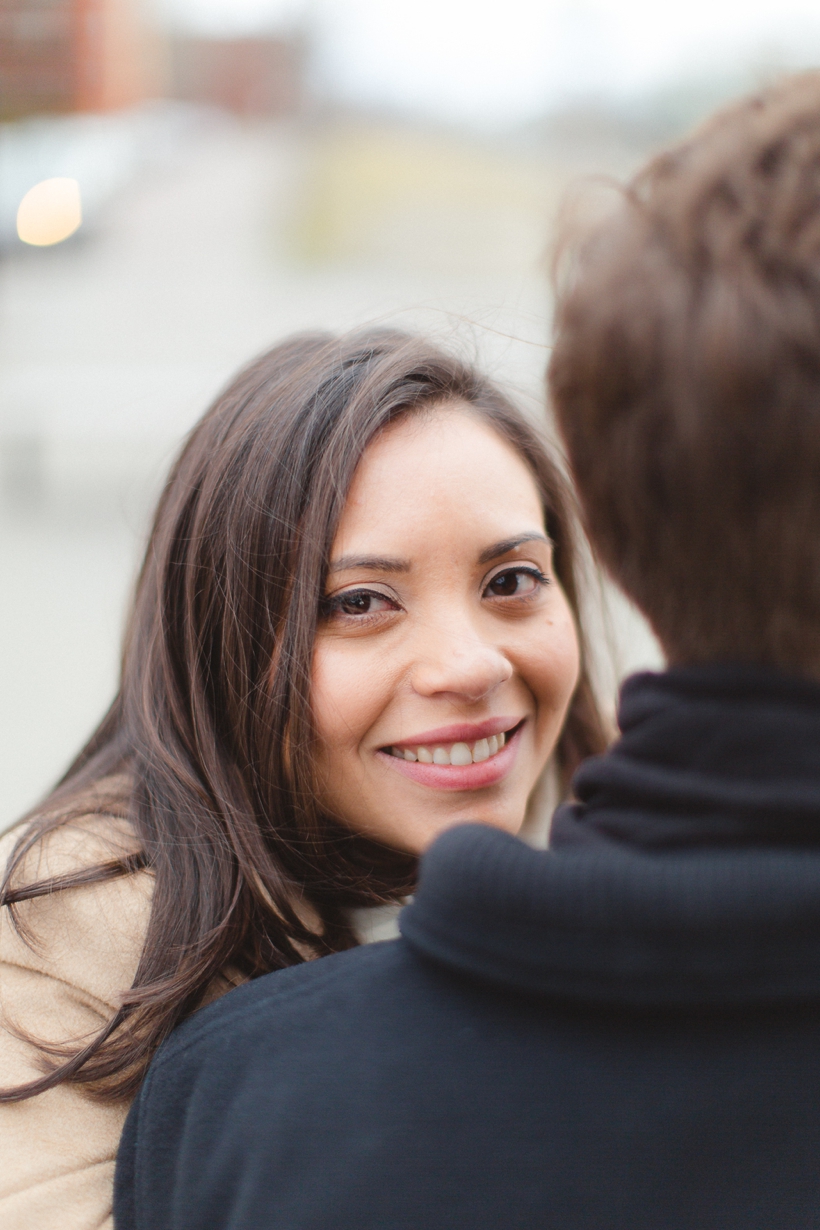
pixel 72 55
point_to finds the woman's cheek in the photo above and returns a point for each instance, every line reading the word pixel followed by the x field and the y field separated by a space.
pixel 559 663
pixel 344 707
pixel 327 693
pixel 570 666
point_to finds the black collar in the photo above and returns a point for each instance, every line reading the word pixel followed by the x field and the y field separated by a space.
pixel 687 873
pixel 613 925
pixel 709 755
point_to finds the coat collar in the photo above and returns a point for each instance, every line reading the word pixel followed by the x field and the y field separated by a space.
pixel 687 872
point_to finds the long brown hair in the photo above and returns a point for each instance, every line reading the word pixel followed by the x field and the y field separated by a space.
pixel 212 722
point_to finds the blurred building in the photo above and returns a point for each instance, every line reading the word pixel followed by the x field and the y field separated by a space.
pixel 249 76
pixel 73 55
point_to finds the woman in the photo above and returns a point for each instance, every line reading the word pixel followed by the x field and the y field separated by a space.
pixel 355 626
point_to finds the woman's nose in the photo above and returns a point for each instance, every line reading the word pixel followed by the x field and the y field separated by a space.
pixel 459 665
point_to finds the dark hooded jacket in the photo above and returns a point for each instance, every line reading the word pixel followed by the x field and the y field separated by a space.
pixel 620 1033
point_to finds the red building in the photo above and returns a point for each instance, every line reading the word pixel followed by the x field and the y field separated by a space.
pixel 260 76
pixel 72 55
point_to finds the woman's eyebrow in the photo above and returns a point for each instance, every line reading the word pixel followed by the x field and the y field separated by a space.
pixel 374 563
pixel 383 563
pixel 509 544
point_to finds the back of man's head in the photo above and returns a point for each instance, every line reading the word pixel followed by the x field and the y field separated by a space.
pixel 686 382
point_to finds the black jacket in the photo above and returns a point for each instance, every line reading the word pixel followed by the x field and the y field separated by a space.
pixel 623 1032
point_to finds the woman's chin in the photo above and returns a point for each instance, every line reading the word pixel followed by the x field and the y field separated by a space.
pixel 419 832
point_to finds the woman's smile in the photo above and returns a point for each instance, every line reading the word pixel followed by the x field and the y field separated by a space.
pixel 471 743
pixel 447 654
pixel 460 765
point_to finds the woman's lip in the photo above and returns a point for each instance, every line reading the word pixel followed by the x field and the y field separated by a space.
pixel 459 777
pixel 461 732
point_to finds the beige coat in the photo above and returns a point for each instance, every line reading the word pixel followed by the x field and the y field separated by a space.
pixel 57 1150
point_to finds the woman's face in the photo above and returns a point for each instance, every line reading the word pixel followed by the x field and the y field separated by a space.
pixel 447 653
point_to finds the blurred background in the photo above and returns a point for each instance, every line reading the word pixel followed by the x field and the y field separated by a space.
pixel 182 182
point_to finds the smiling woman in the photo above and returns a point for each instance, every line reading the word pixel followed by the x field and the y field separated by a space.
pixel 356 625
pixel 447 654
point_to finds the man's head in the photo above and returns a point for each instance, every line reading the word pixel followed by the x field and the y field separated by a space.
pixel 686 382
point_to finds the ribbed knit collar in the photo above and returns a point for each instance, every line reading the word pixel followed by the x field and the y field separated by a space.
pixel 709 755
pixel 691 873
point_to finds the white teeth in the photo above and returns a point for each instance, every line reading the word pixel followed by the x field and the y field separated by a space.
pixel 456 754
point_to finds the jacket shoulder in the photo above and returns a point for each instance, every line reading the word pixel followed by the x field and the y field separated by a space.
pixel 63 969
pixel 75 947
pixel 278 999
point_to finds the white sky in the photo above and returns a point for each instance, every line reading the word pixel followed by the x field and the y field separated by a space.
pixel 508 59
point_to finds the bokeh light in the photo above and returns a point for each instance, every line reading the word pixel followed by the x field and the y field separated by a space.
pixel 50 212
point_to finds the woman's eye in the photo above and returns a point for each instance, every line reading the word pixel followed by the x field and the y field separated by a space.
pixel 515 583
pixel 359 602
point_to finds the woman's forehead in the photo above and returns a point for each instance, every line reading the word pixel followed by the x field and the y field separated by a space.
pixel 446 469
